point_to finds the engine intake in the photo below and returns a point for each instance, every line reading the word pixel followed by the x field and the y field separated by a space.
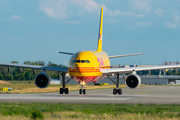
pixel 132 81
pixel 42 80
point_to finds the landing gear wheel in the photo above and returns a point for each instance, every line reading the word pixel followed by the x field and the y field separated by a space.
pixel 120 91
pixel 84 91
pixel 80 91
pixel 61 91
pixel 117 91
pixel 66 91
pixel 114 91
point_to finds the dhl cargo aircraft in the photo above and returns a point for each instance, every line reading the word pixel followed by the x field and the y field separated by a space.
pixel 90 66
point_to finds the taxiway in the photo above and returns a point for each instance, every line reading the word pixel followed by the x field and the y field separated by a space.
pixel 142 95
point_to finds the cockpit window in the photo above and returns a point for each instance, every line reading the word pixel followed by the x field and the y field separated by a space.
pixel 87 61
pixel 81 61
pixel 74 61
pixel 78 61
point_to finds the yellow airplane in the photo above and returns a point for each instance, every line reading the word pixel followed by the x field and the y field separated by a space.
pixel 90 66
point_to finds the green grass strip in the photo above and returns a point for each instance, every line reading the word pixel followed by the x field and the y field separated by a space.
pixel 10 109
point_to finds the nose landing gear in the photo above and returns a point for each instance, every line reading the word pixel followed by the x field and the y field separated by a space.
pixel 82 90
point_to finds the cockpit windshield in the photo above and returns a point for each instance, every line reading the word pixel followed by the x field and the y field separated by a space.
pixel 81 61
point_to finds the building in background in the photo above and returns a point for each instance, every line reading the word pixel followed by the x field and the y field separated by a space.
pixel 168 63
pixel 176 63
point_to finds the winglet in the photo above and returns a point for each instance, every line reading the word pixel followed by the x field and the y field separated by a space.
pixel 99 49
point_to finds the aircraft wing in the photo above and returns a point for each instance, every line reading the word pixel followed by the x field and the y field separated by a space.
pixel 131 69
pixel 59 69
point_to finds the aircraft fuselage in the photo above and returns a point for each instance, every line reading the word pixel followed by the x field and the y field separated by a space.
pixel 85 66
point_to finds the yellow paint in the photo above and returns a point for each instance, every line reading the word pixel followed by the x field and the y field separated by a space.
pixel 94 65
pixel 3 89
pixel 104 83
pixel 99 49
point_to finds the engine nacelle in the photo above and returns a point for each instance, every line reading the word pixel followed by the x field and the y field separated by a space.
pixel 132 81
pixel 42 80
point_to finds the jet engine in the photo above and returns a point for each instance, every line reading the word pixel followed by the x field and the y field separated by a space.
pixel 132 81
pixel 42 80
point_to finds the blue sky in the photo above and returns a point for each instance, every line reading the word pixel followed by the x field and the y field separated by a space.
pixel 42 28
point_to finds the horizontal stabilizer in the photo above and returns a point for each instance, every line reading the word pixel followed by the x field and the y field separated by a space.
pixel 66 53
pixel 115 56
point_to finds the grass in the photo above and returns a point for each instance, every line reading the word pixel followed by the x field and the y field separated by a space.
pixel 90 111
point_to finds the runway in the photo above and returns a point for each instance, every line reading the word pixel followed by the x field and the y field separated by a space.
pixel 142 95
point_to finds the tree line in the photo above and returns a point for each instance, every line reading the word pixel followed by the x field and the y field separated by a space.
pixel 15 73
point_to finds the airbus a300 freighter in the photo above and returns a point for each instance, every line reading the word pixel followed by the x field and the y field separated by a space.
pixel 90 66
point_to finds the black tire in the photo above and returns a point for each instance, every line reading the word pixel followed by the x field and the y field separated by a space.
pixel 80 91
pixel 66 91
pixel 114 91
pixel 120 91
pixel 84 91
pixel 61 91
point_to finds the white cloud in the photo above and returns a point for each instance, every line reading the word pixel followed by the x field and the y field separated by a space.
pixel 159 11
pixel 16 17
pixel 170 25
pixel 88 5
pixel 55 9
pixel 141 16
pixel 64 9
pixel 73 22
pixel 92 6
pixel 118 12
pixel 50 12
pixel 176 17
pixel 143 24
pixel 142 5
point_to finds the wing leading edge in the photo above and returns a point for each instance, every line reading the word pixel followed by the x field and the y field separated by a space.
pixel 131 69
pixel 59 69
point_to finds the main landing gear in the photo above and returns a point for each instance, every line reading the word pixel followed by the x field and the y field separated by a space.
pixel 82 90
pixel 116 90
pixel 64 90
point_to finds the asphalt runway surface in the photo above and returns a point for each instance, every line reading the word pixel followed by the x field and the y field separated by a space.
pixel 142 95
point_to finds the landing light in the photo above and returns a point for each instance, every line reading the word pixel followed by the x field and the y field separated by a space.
pixel 82 83
pixel 67 74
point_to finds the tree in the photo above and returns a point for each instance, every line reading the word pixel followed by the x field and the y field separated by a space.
pixel 51 64
pixel 27 62
pixel 14 62
pixel 42 63
pixel 27 75
pixel 1 76
pixel 8 77
pixel 4 70
pixel 21 76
